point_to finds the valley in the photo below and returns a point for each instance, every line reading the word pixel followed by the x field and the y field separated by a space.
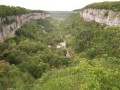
pixel 61 50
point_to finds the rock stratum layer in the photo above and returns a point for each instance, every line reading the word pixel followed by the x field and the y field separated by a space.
pixel 18 21
pixel 102 16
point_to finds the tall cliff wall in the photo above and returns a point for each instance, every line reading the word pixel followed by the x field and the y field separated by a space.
pixel 18 21
pixel 102 16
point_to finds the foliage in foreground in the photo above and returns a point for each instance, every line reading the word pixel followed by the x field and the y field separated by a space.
pixel 83 76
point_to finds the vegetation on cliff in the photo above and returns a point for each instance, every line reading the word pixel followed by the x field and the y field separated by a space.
pixel 115 6
pixel 11 10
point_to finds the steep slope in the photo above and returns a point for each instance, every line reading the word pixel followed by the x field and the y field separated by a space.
pixel 104 13
pixel 102 16
pixel 9 24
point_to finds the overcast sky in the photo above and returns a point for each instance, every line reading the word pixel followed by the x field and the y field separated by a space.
pixel 54 5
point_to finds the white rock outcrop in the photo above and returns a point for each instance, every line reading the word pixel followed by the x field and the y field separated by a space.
pixel 102 16
pixel 19 20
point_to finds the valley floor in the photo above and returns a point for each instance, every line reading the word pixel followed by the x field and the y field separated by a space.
pixel 35 57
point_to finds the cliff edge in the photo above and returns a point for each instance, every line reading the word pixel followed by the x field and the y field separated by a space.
pixel 17 22
pixel 102 16
pixel 104 12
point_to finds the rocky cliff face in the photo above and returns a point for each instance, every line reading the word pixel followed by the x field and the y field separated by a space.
pixel 102 16
pixel 19 20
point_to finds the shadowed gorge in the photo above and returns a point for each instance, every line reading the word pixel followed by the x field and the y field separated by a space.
pixel 61 50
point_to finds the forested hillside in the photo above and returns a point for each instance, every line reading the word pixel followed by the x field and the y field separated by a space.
pixel 95 56
pixel 11 10
pixel 115 6
pixel 26 56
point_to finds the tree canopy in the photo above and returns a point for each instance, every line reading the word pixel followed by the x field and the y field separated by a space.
pixel 115 6
pixel 12 10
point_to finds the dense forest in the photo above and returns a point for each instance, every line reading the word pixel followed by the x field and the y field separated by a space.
pixel 25 56
pixel 11 10
pixel 95 56
pixel 29 59
pixel 115 6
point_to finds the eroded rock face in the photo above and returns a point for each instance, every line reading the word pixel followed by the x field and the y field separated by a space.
pixel 19 21
pixel 103 16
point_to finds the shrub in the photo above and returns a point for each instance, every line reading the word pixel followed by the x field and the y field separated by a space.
pixel 106 13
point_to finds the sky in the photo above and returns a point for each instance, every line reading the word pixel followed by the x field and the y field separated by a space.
pixel 50 5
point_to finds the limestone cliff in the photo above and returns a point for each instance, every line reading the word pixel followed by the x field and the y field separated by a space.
pixel 19 20
pixel 102 16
